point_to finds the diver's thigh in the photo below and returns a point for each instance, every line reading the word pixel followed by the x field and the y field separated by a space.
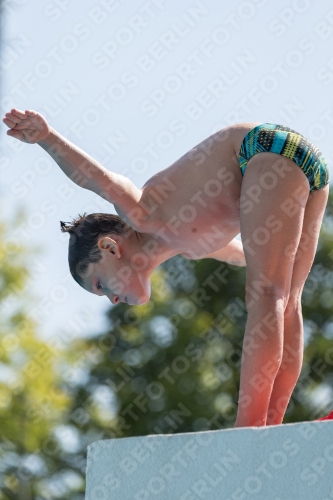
pixel 271 218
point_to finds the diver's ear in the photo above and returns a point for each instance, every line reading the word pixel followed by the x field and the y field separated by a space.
pixel 108 244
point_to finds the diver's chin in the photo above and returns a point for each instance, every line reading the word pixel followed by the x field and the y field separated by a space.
pixel 143 300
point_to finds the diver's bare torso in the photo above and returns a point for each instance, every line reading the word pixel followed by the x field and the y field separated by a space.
pixel 193 205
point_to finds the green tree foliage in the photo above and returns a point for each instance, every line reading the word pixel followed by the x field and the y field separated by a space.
pixel 33 403
pixel 170 366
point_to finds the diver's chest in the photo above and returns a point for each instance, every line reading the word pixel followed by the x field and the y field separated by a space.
pixel 198 232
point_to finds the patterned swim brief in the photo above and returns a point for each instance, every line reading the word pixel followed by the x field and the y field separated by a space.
pixel 284 141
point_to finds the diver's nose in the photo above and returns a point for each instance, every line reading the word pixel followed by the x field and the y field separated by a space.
pixel 114 299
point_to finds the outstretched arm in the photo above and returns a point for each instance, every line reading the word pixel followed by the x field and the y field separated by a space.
pixel 233 254
pixel 31 127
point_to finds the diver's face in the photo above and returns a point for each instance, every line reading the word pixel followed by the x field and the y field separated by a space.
pixel 118 284
pixel 113 277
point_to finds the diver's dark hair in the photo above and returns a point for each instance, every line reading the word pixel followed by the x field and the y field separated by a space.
pixel 84 231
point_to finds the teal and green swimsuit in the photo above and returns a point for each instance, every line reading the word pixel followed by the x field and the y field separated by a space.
pixel 284 141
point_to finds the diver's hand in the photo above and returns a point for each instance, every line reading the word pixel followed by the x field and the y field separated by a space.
pixel 26 126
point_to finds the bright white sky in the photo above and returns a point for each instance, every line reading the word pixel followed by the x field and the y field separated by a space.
pixel 150 73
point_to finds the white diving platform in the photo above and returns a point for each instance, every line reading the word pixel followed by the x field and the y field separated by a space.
pixel 282 462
